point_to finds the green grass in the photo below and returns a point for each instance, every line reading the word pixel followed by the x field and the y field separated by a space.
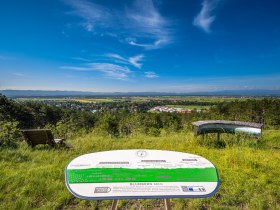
pixel 249 172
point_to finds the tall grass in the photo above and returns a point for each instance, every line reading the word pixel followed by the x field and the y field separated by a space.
pixel 248 170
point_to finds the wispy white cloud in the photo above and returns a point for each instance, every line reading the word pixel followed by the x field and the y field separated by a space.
pixel 151 74
pixel 205 18
pixel 116 57
pixel 112 70
pixel 65 34
pixel 18 74
pixel 142 22
pixel 76 68
pixel 150 46
pixel 135 60
pixel 109 70
pixel 89 27
pixel 148 22
pixel 92 13
pixel 81 59
pixel 113 67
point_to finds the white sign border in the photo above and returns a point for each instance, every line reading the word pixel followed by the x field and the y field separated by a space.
pixel 141 197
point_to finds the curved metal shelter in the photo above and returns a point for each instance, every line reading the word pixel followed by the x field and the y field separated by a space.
pixel 224 126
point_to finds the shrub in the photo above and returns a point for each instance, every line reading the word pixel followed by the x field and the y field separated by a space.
pixel 9 133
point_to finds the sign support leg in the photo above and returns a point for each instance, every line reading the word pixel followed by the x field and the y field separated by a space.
pixel 167 204
pixel 115 205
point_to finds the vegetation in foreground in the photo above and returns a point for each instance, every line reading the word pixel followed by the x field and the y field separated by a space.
pixel 34 178
pixel 249 172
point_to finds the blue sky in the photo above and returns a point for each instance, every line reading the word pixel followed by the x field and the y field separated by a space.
pixel 140 45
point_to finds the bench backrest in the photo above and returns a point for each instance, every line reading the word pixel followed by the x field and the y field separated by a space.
pixel 38 136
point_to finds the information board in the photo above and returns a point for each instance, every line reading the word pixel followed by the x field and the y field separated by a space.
pixel 124 174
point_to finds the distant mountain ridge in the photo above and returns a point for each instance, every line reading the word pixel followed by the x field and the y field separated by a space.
pixel 60 93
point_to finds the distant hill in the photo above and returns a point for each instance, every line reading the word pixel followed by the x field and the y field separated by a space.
pixel 240 93
pixel 59 93
pixel 45 93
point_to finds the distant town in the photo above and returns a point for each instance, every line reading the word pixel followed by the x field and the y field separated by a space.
pixel 171 110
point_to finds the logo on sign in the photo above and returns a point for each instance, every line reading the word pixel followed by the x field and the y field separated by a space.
pixel 193 189
pixel 141 153
pixel 102 189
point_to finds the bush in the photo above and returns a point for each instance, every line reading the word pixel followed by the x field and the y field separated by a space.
pixel 9 133
pixel 108 125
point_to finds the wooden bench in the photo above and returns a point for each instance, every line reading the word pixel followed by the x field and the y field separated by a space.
pixel 41 136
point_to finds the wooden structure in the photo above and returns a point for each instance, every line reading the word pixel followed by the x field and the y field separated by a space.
pixel 41 136
pixel 223 126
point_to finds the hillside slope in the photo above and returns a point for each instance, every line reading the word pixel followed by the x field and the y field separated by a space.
pixel 249 172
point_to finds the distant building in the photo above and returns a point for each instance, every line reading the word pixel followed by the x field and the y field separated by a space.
pixel 170 110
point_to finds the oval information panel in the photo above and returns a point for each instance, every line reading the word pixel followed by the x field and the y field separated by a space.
pixel 123 174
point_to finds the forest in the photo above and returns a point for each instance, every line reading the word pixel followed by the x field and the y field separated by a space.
pixel 118 119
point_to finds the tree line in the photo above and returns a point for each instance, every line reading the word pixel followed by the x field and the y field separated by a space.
pixel 114 122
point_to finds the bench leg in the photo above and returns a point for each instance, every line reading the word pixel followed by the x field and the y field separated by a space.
pixel 218 136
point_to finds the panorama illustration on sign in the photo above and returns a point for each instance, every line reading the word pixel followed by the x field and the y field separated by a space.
pixel 124 174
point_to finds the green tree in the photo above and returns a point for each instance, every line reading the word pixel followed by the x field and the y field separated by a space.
pixel 108 124
pixel 9 133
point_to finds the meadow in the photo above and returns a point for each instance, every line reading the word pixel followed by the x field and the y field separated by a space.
pixel 33 178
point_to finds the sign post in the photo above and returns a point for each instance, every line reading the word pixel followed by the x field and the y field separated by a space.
pixel 131 174
pixel 115 204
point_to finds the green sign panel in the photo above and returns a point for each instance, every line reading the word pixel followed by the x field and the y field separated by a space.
pixel 141 174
